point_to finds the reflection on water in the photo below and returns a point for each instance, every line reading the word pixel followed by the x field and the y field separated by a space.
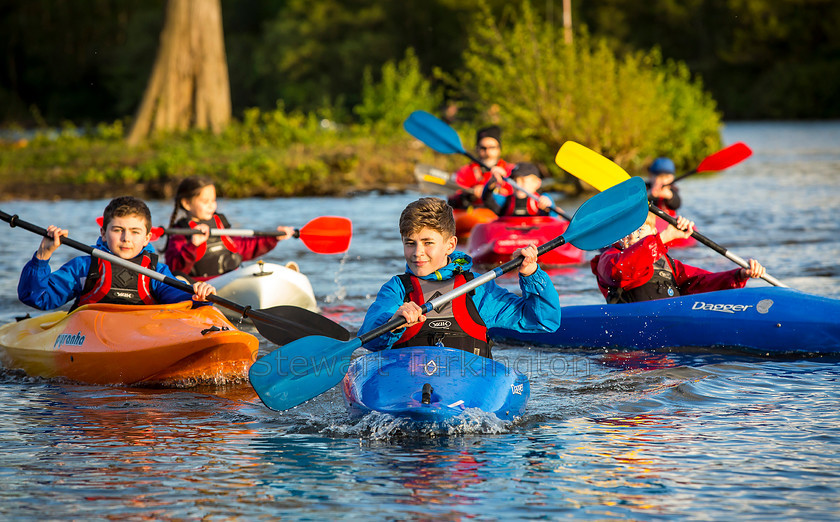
pixel 607 435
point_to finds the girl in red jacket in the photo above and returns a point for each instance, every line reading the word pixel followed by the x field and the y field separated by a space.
pixel 638 267
pixel 201 256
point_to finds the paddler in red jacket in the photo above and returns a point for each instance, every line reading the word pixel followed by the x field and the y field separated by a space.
pixel 660 193
pixel 638 267
pixel 488 144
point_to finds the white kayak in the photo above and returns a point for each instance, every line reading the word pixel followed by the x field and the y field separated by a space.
pixel 264 285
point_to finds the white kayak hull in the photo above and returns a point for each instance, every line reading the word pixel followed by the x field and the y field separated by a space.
pixel 264 285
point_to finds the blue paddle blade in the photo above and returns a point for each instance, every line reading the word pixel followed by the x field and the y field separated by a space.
pixel 301 370
pixel 609 216
pixel 434 132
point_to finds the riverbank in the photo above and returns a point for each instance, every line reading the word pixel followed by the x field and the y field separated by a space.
pixel 270 164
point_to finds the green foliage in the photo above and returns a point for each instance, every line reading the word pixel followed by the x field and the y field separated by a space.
pixel 270 154
pixel 401 90
pixel 544 92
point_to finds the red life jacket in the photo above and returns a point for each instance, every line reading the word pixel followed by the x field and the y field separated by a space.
pixel 522 207
pixel 457 325
pixel 661 284
pixel 216 256
pixel 115 284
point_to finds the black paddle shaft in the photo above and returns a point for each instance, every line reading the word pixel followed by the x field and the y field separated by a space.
pixel 714 246
pixel 15 221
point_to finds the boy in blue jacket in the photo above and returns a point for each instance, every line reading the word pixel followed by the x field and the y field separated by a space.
pixel 126 232
pixel 433 267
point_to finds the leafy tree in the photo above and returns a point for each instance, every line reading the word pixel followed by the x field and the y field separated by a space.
pixel 401 89
pixel 545 92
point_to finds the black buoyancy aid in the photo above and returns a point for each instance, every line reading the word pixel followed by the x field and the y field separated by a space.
pixel 457 325
pixel 522 207
pixel 115 284
pixel 660 285
pixel 220 255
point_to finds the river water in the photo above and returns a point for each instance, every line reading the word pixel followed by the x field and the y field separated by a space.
pixel 698 436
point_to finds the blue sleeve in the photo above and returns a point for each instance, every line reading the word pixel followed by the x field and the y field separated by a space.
pixel 537 310
pixel 390 297
pixel 167 294
pixel 43 289
pixel 551 212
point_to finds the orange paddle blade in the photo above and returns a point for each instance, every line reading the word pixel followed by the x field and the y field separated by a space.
pixel 327 234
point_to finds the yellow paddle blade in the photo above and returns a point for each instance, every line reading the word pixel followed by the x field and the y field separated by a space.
pixel 589 166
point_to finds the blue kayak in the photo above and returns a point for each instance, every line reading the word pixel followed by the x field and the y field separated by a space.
pixel 765 320
pixel 428 383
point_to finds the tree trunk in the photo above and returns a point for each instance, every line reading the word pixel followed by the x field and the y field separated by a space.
pixel 189 85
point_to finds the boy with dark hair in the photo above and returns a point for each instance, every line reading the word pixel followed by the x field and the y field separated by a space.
pixel 529 178
pixel 433 267
pixel 126 232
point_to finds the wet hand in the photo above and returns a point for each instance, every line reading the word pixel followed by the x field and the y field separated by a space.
pixel 50 244
pixel 412 312
pixel 202 289
pixel 545 203
pixel 529 264
pixel 755 270
pixel 659 188
pixel 198 239
pixel 684 229
pixel 287 232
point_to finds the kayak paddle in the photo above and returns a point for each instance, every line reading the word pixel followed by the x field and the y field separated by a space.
pixel 306 368
pixel 441 178
pixel 601 173
pixel 279 324
pixel 439 136
pixel 720 160
pixel 322 235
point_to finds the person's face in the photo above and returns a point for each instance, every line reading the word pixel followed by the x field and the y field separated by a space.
pixel 427 251
pixel 489 151
pixel 203 206
pixel 126 236
pixel 529 183
pixel 660 180
pixel 643 232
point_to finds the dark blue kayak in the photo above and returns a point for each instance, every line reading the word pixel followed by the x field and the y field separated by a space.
pixel 766 320
pixel 433 384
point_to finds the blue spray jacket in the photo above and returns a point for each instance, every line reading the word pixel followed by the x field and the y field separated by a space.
pixel 41 288
pixel 538 310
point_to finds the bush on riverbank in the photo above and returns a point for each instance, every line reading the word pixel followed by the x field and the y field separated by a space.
pixel 544 92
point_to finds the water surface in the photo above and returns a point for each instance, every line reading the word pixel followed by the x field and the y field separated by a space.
pixel 690 435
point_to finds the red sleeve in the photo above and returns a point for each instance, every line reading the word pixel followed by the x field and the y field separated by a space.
pixel 181 254
pixel 253 247
pixel 693 280
pixel 469 176
pixel 631 267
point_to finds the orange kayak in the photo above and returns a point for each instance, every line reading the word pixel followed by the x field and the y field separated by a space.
pixel 465 220
pixel 171 345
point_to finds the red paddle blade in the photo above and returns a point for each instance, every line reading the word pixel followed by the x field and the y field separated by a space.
pixel 327 235
pixel 723 159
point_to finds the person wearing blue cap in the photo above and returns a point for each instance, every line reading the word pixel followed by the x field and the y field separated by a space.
pixel 660 193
